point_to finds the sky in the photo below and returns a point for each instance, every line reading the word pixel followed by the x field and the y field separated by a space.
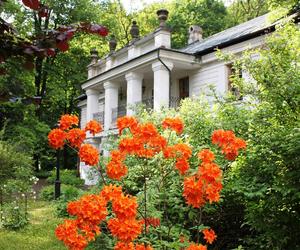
pixel 132 5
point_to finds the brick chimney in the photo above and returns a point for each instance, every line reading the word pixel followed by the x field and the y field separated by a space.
pixel 195 34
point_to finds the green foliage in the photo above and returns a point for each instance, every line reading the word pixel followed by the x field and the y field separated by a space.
pixel 209 14
pixel 36 235
pixel 16 169
pixel 67 177
pixel 243 10
pixel 13 217
pixel 267 179
pixel 68 192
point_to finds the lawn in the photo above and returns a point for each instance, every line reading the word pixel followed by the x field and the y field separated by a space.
pixel 39 234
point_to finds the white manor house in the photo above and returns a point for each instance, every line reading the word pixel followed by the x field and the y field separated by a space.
pixel 149 71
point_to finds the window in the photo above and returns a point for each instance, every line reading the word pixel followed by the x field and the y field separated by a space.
pixel 183 87
pixel 231 87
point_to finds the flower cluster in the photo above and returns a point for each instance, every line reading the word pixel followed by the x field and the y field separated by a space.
pixel 144 141
pixel 209 235
pixel 67 121
pixel 175 124
pixel 56 138
pixel 93 127
pixel 67 134
pixel 228 142
pixel 194 246
pixel 116 169
pixel 206 184
pixel 89 154
pixel 90 210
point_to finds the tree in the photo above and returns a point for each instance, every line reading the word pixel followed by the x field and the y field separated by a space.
pixel 268 177
pixel 45 31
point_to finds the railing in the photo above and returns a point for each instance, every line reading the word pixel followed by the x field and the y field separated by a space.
pixel 99 116
pixel 149 103
pixel 118 112
pixel 174 101
pixel 121 110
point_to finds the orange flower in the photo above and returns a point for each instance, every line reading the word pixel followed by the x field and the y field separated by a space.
pixel 210 172
pixel 212 192
pixel 130 145
pixel 125 207
pixel 127 122
pixel 94 127
pixel 146 131
pixel 89 154
pixel 157 143
pixel 209 235
pixel 142 247
pixel 66 121
pixel 124 246
pixel 193 192
pixel 68 233
pixel 56 138
pixel 205 155
pixel 111 192
pixel 125 230
pixel 116 155
pixel 182 165
pixel 116 170
pixel 89 208
pixel 76 137
pixel 169 152
pixel 194 246
pixel 146 153
pixel 228 142
pixel 151 221
pixel 175 124
pixel 184 150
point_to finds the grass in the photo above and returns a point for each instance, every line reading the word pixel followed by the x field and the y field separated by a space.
pixel 38 235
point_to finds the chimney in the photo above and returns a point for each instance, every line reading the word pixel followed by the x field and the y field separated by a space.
pixel 195 34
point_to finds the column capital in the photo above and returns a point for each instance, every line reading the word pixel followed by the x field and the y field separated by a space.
pixel 133 76
pixel 90 92
pixel 110 85
pixel 159 66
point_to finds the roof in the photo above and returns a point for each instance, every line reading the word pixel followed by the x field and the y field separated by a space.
pixel 254 27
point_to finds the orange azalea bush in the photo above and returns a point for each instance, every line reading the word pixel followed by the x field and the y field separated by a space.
pixel 121 212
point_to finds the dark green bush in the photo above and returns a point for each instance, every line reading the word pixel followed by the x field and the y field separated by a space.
pixel 43 174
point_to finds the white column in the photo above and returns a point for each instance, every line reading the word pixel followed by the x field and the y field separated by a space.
pixel 161 84
pixel 92 103
pixel 111 102
pixel 134 90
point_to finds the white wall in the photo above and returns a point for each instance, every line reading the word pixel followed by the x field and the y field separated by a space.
pixel 215 74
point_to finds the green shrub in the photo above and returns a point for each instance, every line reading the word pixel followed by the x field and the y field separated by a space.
pixel 68 192
pixel 13 216
pixel 16 169
pixel 68 177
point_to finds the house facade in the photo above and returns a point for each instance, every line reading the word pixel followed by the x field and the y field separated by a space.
pixel 149 71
